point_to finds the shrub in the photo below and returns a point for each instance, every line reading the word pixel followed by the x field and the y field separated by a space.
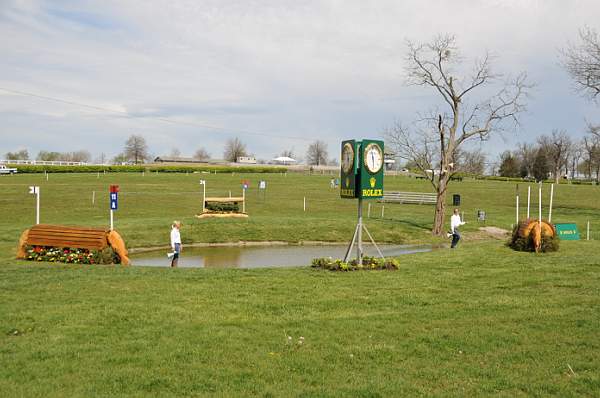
pixel 223 207
pixel 369 263
pixel 31 168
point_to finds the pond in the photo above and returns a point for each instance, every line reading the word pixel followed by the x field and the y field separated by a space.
pixel 262 256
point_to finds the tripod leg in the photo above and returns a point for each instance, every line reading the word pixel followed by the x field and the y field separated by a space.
pixel 373 241
pixel 351 244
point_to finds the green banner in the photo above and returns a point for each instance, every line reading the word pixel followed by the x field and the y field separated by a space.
pixel 567 231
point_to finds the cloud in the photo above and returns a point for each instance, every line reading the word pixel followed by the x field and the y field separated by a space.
pixel 311 69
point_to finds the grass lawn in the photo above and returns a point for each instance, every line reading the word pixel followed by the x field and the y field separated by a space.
pixel 149 203
pixel 480 320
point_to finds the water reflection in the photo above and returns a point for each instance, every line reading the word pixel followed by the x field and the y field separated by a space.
pixel 261 256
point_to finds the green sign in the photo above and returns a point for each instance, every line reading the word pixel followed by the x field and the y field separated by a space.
pixel 567 231
pixel 362 167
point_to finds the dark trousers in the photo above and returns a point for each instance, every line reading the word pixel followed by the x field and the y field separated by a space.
pixel 455 239
pixel 175 259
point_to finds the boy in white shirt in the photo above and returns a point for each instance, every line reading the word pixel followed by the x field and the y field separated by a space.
pixel 175 243
pixel 455 222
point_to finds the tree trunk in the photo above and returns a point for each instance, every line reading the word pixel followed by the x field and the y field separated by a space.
pixel 440 205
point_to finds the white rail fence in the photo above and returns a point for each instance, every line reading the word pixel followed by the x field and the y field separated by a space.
pixel 43 162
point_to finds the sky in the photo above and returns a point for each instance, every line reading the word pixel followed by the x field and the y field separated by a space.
pixel 278 74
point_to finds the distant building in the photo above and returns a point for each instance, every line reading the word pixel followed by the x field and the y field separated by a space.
pixel 175 159
pixel 246 160
pixel 389 158
pixel 284 160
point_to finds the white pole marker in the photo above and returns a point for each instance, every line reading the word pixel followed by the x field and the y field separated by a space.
pixel 551 199
pixel 528 199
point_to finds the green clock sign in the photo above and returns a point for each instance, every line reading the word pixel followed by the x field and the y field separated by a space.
pixel 362 169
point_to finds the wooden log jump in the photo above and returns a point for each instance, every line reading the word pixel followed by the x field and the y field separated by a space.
pixel 72 237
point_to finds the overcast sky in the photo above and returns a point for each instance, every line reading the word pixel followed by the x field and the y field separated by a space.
pixel 276 74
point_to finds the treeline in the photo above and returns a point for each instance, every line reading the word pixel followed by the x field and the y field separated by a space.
pixel 82 156
pixel 148 169
pixel 554 156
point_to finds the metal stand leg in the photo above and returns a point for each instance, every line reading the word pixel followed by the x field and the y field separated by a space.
pixel 373 242
pixel 357 237
pixel 351 244
pixel 359 251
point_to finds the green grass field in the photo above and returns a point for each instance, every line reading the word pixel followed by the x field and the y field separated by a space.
pixel 148 204
pixel 477 321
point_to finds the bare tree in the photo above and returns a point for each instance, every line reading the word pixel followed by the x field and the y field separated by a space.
pixel 234 148
pixel 121 158
pixel 556 147
pixel 175 153
pixel 288 153
pixel 591 149
pixel 136 149
pixel 47 155
pixel 22 154
pixel 201 154
pixel 526 154
pixel 316 155
pixel 582 62
pixel 79 156
pixel 434 139
pixel 472 162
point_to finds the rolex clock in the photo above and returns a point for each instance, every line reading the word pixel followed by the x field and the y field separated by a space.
pixel 349 169
pixel 370 184
pixel 373 157
pixel 347 157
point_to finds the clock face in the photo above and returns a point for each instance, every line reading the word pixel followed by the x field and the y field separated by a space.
pixel 347 158
pixel 373 158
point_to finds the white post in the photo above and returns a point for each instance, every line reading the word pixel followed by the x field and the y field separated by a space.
pixel 528 199
pixel 243 201
pixel 37 206
pixel 305 203
pixel 382 211
pixel 517 208
pixel 588 231
pixel 111 219
pixel 93 197
pixel 98 175
pixel 369 211
pixel 46 176
pixel 230 194
pixel 540 209
pixel 551 198
pixel 203 183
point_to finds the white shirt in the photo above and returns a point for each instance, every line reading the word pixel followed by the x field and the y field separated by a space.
pixel 455 222
pixel 175 237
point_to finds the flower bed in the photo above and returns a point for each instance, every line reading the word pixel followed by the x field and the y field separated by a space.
pixel 369 263
pixel 71 255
